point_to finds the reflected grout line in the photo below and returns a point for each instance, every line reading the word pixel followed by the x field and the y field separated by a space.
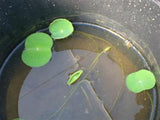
pixel 85 94
pixel 81 59
pixel 46 82
pixel 97 99
pixel 74 58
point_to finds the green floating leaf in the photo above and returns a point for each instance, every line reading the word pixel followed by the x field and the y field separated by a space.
pixel 38 40
pixel 140 81
pixel 18 119
pixel 36 57
pixel 61 28
pixel 38 49
pixel 74 77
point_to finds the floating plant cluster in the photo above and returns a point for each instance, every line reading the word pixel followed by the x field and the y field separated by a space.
pixel 38 53
pixel 38 45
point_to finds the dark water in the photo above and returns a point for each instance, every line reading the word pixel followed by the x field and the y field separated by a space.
pixel 43 94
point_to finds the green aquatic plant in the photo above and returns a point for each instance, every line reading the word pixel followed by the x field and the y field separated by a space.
pixel 119 61
pixel 37 50
pixel 74 77
pixel 38 40
pixel 140 81
pixel 93 64
pixel 38 45
pixel 91 67
pixel 150 98
pixel 36 57
pixel 61 28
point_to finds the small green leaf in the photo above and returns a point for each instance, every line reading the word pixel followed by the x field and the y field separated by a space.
pixel 36 57
pixel 38 40
pixel 61 28
pixel 37 49
pixel 74 77
pixel 18 119
pixel 140 81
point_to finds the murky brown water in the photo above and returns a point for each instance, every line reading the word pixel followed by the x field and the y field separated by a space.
pixel 42 93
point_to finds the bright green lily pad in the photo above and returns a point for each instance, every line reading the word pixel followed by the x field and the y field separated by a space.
pixel 74 77
pixel 36 57
pixel 140 81
pixel 61 28
pixel 38 40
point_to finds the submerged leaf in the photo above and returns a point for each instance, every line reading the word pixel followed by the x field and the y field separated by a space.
pixel 74 77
